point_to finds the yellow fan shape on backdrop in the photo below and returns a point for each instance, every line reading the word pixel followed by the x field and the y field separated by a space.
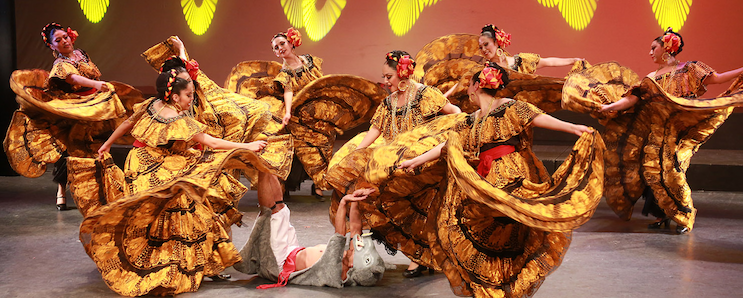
pixel 317 23
pixel 94 10
pixel 404 13
pixel 199 18
pixel 671 13
pixel 578 13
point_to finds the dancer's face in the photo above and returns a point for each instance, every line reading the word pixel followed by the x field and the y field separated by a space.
pixel 282 48
pixel 488 46
pixel 390 77
pixel 656 52
pixel 61 42
pixel 184 98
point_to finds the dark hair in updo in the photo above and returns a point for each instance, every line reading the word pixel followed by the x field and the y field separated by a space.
pixel 659 40
pixel 504 78
pixel 173 63
pixel 48 30
pixel 161 84
pixel 489 31
pixel 396 54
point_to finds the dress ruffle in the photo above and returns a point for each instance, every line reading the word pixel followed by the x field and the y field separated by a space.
pixel 51 121
pixel 651 144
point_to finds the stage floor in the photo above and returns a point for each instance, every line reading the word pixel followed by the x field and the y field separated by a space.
pixel 41 256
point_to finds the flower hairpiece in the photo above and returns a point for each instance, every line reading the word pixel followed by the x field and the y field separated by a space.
pixel 405 67
pixel 671 42
pixel 490 78
pixel 502 38
pixel 72 34
pixel 294 37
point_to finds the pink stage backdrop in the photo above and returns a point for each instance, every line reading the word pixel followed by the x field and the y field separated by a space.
pixel 620 30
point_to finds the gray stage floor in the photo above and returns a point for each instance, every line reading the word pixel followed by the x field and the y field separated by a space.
pixel 41 256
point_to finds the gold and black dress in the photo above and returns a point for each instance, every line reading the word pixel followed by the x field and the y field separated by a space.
pixel 154 228
pixel 322 108
pixel 651 144
pixel 494 235
pixel 225 114
pixel 56 117
pixel 391 121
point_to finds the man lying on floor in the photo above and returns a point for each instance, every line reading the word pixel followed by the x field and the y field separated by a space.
pixel 273 251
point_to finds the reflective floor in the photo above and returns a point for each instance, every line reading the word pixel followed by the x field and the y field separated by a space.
pixel 41 256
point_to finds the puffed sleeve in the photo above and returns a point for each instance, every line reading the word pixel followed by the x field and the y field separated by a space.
pixel 526 62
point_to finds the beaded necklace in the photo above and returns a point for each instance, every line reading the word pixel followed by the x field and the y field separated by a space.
pixel 406 112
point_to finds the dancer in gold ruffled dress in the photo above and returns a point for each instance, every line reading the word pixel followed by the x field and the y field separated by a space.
pixel 312 107
pixel 227 115
pixel 445 61
pixel 410 104
pixel 499 229
pixel 67 110
pixel 653 127
pixel 159 232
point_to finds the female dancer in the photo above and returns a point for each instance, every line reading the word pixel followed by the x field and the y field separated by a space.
pixel 227 115
pixel 444 62
pixel 493 42
pixel 410 104
pixel 314 108
pixel 496 231
pixel 162 236
pixel 68 110
pixel 664 132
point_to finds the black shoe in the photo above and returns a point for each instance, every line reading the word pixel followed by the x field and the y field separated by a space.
pixel 682 230
pixel 220 277
pixel 62 207
pixel 313 190
pixel 659 224
pixel 418 271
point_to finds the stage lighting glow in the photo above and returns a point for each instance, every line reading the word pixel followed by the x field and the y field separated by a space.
pixel 578 13
pixel 199 18
pixel 548 3
pixel 404 13
pixel 318 23
pixel 94 10
pixel 671 13
pixel 293 12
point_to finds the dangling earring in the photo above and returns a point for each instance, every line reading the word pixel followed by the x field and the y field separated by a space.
pixel 666 56
pixel 499 52
pixel 401 84
pixel 55 54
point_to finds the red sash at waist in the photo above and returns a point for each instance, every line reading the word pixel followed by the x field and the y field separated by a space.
pixel 487 158
pixel 289 267
pixel 87 92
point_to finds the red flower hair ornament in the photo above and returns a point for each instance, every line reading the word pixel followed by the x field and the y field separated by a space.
pixel 192 66
pixel 501 37
pixel 490 78
pixel 294 37
pixel 72 34
pixel 405 67
pixel 671 43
